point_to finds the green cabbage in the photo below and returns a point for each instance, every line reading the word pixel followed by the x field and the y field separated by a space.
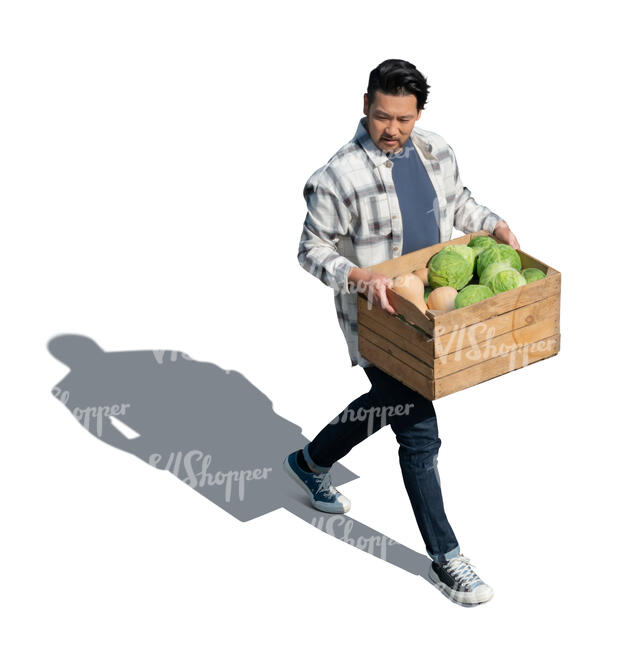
pixel 498 253
pixel 531 275
pixel 449 268
pixel 491 270
pixel 506 280
pixel 472 293
pixel 465 251
pixel 479 244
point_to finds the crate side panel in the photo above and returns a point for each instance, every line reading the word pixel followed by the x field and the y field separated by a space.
pixel 421 352
pixel 397 369
pixel 484 330
pixel 396 351
pixel 421 338
pixel 495 347
pixel 498 366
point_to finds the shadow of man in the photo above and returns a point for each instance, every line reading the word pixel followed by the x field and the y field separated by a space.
pixel 209 427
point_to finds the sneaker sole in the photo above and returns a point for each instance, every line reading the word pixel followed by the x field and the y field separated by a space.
pixel 324 507
pixel 465 597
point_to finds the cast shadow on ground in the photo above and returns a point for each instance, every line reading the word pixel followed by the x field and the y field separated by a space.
pixel 209 427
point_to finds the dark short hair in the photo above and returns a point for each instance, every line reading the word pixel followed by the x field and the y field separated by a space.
pixel 398 77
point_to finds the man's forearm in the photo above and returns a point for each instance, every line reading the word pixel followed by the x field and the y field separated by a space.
pixel 358 278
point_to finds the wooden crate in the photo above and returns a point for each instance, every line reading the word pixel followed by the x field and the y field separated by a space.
pixel 442 353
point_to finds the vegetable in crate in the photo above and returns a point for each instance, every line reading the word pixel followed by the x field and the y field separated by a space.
pixel 479 244
pixel 465 251
pixel 422 274
pixel 471 294
pixel 491 270
pixel 449 268
pixel 410 287
pixel 506 280
pixel 531 275
pixel 442 298
pixel 498 253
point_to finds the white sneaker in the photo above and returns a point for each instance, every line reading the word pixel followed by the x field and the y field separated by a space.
pixel 457 579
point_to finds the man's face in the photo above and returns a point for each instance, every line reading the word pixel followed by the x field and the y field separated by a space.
pixel 390 119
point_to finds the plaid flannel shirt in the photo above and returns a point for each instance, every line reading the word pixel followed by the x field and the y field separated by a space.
pixel 354 217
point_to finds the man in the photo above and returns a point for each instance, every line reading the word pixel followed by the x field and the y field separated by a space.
pixel 391 190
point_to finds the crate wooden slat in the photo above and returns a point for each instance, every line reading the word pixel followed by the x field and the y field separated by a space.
pixel 497 366
pixel 437 354
pixel 479 332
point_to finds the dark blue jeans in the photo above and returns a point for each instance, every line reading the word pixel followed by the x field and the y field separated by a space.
pixel 413 420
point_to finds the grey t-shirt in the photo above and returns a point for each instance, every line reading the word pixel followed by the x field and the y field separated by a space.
pixel 417 198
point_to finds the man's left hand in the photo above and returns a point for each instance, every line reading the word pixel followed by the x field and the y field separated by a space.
pixel 503 233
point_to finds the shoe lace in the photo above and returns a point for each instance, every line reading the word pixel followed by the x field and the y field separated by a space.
pixel 324 485
pixel 462 570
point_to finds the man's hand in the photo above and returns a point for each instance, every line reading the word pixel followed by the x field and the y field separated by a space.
pixel 373 285
pixel 503 233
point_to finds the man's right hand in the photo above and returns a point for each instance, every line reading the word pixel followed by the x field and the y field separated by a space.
pixel 373 285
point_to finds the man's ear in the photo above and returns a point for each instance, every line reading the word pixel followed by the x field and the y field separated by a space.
pixel 365 103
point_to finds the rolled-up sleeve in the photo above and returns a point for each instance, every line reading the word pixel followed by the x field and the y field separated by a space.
pixel 327 220
pixel 469 216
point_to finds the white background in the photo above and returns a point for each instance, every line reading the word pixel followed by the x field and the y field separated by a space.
pixel 153 159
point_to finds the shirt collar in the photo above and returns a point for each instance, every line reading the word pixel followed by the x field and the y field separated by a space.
pixel 377 156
